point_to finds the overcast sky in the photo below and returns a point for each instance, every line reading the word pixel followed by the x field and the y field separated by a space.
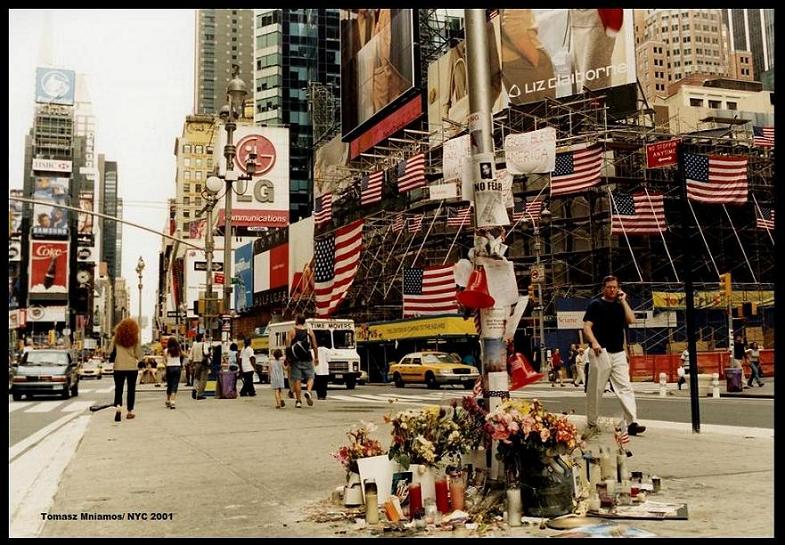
pixel 139 68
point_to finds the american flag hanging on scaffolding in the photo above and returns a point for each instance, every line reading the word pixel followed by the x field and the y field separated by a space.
pixel 415 223
pixel 371 188
pixel 763 136
pixel 527 211
pixel 765 220
pixel 398 223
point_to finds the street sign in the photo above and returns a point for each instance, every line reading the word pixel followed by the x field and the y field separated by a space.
pixel 202 266
pixel 219 278
pixel 174 314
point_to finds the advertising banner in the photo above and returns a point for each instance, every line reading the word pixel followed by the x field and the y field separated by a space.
pixel 711 299
pixel 52 165
pixel 271 269
pixel 55 86
pixel 38 313
pixel 537 54
pixel 377 62
pixel 48 269
pixel 15 214
pixel 416 328
pixel 301 258
pixel 243 267
pixel 14 250
pixel 85 220
pixel 263 201
pixel 48 219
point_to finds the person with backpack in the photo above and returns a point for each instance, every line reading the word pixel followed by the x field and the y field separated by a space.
pixel 302 353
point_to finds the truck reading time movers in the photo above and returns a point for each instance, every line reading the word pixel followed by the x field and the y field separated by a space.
pixel 337 336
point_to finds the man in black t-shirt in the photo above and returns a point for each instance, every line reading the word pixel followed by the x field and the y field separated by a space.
pixel 604 323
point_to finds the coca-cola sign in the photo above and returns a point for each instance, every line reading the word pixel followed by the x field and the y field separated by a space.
pixel 48 269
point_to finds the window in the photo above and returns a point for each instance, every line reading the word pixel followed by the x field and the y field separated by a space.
pixel 186 214
pixel 187 162
pixel 209 149
pixel 199 175
pixel 187 175
pixel 696 102
pixel 715 104
pixel 198 188
pixel 732 105
pixel 186 200
pixel 199 149
pixel 187 148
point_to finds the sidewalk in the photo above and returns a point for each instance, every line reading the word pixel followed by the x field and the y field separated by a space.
pixel 241 468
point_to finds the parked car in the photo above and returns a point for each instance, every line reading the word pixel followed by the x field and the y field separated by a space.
pixel 91 369
pixel 46 371
pixel 432 369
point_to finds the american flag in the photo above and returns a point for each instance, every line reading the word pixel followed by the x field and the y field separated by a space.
pixel 429 291
pixel 398 223
pixel 371 188
pixel 415 223
pixel 337 258
pixel 716 179
pixel 622 437
pixel 638 214
pixel 410 173
pixel 196 228
pixel 323 209
pixel 477 390
pixel 766 219
pixel 763 136
pixel 459 217
pixel 527 211
pixel 576 170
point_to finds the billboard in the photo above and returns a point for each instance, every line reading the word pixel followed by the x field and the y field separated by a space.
pixel 537 54
pixel 55 86
pixel 271 275
pixel 48 269
pixel 301 258
pixel 15 214
pixel 263 201
pixel 48 219
pixel 243 267
pixel 377 63
pixel 85 220
pixel 14 285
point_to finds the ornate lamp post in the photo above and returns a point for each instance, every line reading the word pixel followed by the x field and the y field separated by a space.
pixel 235 94
pixel 139 269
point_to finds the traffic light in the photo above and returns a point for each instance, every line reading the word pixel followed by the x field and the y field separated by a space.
pixel 725 284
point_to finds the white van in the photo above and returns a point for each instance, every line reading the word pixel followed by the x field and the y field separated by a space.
pixel 337 336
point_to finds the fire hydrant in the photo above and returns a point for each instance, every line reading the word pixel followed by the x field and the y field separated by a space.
pixel 663 381
pixel 715 385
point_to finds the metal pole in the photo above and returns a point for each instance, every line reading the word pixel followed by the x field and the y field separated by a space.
pixel 231 175
pixel 140 299
pixel 689 296
pixel 537 250
pixel 208 252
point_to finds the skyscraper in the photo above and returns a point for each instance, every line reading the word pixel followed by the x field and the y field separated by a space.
pixel 753 30
pixel 294 50
pixel 110 230
pixel 223 37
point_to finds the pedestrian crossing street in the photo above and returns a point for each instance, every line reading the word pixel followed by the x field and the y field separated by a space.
pixel 360 396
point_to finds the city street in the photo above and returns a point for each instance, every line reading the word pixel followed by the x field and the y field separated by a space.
pixel 236 460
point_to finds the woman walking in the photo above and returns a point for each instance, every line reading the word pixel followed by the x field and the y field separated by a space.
pixel 174 364
pixel 753 353
pixel 128 352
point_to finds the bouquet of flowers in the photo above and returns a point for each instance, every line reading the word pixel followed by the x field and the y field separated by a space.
pixel 360 446
pixel 525 429
pixel 425 436
pixel 470 418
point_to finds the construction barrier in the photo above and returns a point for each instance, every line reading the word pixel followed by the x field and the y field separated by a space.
pixel 647 368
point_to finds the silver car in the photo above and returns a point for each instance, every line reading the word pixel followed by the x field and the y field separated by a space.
pixel 46 372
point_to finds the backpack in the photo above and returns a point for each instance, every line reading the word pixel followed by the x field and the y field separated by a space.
pixel 301 349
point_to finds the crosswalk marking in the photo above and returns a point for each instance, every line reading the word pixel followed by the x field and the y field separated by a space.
pixel 44 407
pixel 77 406
pixel 16 406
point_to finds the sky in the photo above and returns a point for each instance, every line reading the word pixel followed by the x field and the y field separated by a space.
pixel 139 68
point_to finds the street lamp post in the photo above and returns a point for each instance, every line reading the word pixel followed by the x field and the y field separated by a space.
pixel 544 214
pixel 235 93
pixel 139 269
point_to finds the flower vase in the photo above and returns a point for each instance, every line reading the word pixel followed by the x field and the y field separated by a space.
pixel 424 475
pixel 546 485
pixel 352 491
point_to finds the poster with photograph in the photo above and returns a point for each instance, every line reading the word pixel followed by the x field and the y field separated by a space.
pixel 85 222
pixel 48 219
pixel 48 268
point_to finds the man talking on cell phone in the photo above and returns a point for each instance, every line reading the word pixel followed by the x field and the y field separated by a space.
pixel 604 325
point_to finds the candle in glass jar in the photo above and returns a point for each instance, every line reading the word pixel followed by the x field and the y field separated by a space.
pixel 415 500
pixel 442 501
pixel 514 506
pixel 457 490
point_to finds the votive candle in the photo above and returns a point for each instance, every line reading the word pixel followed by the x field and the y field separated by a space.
pixel 442 501
pixel 415 500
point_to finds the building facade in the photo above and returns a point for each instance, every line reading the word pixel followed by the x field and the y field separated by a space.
pixel 194 153
pixel 296 55
pixel 224 37
pixel 752 31
pixel 110 230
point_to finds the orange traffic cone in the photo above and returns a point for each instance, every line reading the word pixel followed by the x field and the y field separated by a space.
pixel 476 293
pixel 521 372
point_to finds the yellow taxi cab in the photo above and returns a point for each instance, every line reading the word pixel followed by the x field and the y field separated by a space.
pixel 432 369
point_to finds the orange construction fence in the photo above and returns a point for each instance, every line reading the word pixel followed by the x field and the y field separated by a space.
pixel 648 368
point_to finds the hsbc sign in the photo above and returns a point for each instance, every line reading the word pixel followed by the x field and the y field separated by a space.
pixel 263 201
